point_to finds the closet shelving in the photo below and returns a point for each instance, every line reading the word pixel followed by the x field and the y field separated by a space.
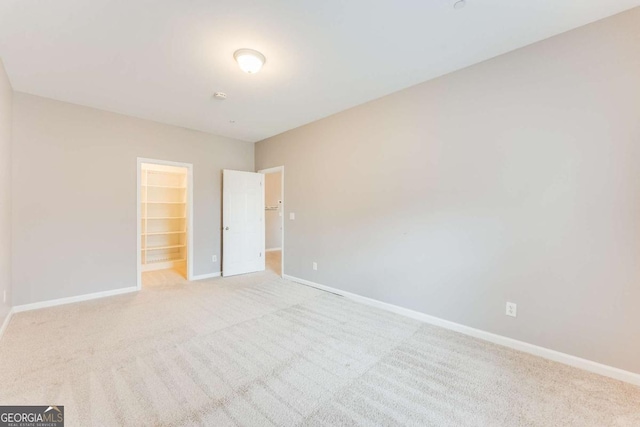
pixel 164 216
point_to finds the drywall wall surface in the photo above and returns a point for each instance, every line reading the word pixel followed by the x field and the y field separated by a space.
pixel 74 195
pixel 6 106
pixel 273 220
pixel 516 179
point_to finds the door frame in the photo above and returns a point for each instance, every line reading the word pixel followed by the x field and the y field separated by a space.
pixel 189 207
pixel 282 222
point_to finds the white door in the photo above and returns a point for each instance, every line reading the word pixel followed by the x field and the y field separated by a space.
pixel 242 222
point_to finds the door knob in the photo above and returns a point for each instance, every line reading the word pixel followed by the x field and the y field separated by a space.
pixel 226 228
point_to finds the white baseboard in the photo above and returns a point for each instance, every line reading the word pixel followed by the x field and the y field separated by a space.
pixel 556 356
pixel 69 300
pixel 6 322
pixel 205 276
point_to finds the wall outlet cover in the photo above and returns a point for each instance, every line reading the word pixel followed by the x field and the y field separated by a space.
pixel 292 215
pixel 512 309
pixel 315 265
pixel 214 258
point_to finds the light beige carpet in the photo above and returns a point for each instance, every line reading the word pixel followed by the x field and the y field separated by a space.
pixel 258 351
pixel 274 261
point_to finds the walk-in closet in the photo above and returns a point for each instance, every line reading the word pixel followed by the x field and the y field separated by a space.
pixel 164 212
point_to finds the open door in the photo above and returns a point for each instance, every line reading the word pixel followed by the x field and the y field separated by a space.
pixel 242 222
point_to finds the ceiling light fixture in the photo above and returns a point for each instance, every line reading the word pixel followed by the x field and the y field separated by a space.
pixel 249 60
pixel 460 4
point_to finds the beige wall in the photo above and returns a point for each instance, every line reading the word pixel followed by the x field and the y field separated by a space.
pixel 272 194
pixel 6 94
pixel 516 179
pixel 74 195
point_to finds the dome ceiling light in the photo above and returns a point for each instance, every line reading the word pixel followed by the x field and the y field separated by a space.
pixel 249 60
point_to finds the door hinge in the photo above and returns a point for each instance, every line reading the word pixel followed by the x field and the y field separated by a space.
pixel 260 254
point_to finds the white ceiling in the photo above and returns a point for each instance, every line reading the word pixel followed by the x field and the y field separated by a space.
pixel 163 59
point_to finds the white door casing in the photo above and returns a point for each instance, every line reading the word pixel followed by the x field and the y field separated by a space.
pixel 242 222
pixel 282 206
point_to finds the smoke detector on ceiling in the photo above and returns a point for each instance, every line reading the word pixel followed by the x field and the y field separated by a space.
pixel 220 95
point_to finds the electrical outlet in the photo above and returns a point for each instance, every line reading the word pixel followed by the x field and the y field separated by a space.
pixel 315 265
pixel 512 309
pixel 292 215
pixel 214 258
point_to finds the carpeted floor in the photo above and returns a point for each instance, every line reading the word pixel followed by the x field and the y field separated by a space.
pixel 257 350
pixel 274 261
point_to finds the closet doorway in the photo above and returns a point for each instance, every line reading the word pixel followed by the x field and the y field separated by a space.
pixel 165 215
pixel 274 219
